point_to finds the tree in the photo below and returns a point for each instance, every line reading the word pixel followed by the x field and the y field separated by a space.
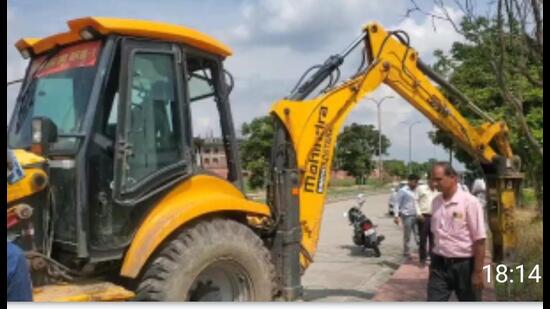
pixel 399 168
pixel 421 169
pixel 356 146
pixel 255 149
pixel 446 141
pixel 500 67
pixel 395 168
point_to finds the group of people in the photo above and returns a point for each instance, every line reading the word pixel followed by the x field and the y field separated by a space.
pixel 449 223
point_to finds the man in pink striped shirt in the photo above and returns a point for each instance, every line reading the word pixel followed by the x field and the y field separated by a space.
pixel 458 228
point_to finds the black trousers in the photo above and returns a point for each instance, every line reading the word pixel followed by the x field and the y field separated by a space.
pixel 452 275
pixel 426 237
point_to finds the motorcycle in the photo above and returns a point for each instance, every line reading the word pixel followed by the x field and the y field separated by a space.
pixel 364 231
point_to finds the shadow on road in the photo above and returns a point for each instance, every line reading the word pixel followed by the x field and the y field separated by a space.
pixel 358 251
pixel 314 294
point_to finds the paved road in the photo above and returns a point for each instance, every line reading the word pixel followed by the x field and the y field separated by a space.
pixel 341 272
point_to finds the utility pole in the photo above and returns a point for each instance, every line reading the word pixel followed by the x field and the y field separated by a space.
pixel 451 154
pixel 380 164
pixel 432 135
pixel 410 142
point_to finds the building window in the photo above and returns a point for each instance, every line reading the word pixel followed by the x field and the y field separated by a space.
pixel 206 161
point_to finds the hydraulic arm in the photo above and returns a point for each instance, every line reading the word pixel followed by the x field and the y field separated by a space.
pixel 307 129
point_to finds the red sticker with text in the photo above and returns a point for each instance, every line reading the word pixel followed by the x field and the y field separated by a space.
pixel 79 56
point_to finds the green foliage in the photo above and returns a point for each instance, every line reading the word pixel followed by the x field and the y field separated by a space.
pixel 256 148
pixel 400 168
pixel 395 168
pixel 530 240
pixel 376 184
pixel 356 147
pixel 528 197
pixel 422 169
pixel 468 67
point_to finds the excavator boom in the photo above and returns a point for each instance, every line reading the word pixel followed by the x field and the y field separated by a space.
pixel 307 129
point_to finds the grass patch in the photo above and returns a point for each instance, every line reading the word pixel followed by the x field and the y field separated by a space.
pixel 341 192
pixel 351 191
pixel 529 198
pixel 376 183
pixel 348 182
pixel 338 189
pixel 530 244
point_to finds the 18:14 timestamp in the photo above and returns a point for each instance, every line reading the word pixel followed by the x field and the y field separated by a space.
pixel 502 272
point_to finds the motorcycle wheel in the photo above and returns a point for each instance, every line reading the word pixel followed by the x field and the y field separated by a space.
pixel 376 249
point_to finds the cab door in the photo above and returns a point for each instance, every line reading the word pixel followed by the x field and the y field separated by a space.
pixel 152 149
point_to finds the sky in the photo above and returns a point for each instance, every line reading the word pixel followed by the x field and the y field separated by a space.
pixel 274 42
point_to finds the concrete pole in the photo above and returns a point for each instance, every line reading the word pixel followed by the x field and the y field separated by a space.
pixel 410 144
pixel 380 164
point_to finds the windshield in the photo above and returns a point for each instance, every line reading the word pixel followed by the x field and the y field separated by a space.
pixel 58 88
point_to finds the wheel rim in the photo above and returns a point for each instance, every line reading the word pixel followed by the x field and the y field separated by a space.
pixel 223 280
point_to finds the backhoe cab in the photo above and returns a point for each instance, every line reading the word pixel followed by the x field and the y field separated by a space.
pixel 108 105
pixel 105 117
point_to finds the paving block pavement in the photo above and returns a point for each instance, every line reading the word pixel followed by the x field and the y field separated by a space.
pixel 409 283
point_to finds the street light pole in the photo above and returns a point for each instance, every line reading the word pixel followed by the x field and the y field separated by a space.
pixel 380 165
pixel 410 142
pixel 433 133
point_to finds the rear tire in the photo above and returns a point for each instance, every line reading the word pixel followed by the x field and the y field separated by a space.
pixel 215 260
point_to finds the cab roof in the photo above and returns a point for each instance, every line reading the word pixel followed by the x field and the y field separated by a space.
pixel 128 27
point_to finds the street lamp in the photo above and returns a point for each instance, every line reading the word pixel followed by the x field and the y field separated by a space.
pixel 378 103
pixel 410 141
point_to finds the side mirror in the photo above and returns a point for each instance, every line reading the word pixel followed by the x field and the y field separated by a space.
pixel 44 133
pixel 229 81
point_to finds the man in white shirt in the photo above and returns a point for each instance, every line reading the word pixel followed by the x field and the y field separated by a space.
pixel 479 190
pixel 426 194
pixel 461 184
pixel 405 210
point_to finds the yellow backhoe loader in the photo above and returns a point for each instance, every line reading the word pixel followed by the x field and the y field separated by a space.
pixel 122 211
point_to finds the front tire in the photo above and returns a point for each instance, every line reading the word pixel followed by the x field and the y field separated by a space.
pixel 215 260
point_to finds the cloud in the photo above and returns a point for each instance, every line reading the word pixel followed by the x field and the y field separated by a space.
pixel 274 42
pixel 304 25
pixel 278 40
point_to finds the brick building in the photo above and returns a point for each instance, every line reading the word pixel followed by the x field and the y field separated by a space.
pixel 212 155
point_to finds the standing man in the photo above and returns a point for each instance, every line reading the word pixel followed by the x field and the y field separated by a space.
pixel 405 209
pixel 459 237
pixel 479 190
pixel 426 194
pixel 461 182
